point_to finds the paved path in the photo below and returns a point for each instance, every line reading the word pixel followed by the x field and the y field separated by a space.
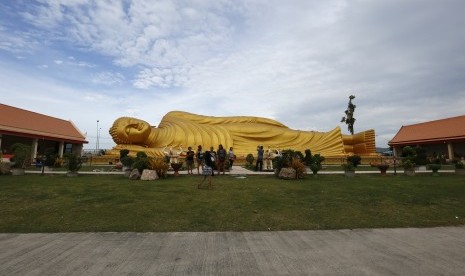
pixel 408 251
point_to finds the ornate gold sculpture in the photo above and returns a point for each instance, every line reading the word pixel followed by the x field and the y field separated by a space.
pixel 243 133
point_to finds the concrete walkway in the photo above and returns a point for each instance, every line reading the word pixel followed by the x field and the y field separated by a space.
pixel 408 251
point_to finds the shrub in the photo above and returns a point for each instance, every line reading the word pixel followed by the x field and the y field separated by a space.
pixel 315 163
pixel 434 167
pixel 408 164
pixel 315 168
pixel 127 161
pixel 141 162
pixel 348 166
pixel 458 164
pixel 59 162
pixel 355 160
pixel 22 155
pixel 159 165
pixel 73 162
pixel 308 157
pixel 285 160
pixel 50 157
pixel 416 155
pixel 123 153
pixel 249 159
pixel 421 157
pixel 299 168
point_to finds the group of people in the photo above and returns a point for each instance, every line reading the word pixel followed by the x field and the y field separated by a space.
pixel 266 156
pixel 208 161
pixel 211 160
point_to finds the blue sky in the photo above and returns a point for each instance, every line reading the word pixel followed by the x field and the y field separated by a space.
pixel 293 61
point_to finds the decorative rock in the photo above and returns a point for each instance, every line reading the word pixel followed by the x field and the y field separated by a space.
pixel 149 175
pixel 134 174
pixel 287 173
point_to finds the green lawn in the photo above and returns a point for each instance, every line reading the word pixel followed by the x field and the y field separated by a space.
pixel 34 203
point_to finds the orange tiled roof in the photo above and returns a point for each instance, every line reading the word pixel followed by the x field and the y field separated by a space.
pixel 19 121
pixel 434 131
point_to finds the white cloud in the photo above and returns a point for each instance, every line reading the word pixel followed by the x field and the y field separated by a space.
pixel 109 78
pixel 295 61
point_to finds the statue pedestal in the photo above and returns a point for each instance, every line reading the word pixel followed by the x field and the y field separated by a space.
pixel 176 167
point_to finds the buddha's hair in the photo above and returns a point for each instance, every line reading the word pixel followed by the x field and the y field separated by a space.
pixel 114 132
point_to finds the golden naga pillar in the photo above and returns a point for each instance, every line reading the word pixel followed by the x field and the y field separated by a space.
pixel 243 133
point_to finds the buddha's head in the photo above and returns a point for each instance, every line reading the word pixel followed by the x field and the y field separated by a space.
pixel 127 130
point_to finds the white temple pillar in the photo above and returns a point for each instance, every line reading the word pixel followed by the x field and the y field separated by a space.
pixel 61 149
pixel 450 150
pixel 396 151
pixel 35 145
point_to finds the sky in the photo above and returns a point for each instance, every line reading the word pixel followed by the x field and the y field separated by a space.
pixel 295 61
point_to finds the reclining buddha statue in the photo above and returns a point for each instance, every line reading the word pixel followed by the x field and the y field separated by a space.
pixel 243 133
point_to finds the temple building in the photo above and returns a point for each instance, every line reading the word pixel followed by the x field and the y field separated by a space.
pixel 38 130
pixel 444 136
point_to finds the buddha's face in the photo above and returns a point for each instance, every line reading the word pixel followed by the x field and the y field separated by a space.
pixel 128 130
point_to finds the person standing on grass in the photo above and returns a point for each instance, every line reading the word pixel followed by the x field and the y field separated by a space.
pixel 200 158
pixel 221 154
pixel 231 157
pixel 259 164
pixel 190 160
pixel 214 159
pixel 207 171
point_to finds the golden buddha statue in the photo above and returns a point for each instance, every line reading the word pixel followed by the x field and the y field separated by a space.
pixel 241 132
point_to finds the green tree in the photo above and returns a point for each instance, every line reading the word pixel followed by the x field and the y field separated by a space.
pixel 349 118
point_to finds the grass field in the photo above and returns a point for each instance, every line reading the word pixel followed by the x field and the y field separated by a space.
pixel 34 203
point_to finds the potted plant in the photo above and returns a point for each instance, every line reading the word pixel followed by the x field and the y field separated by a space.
pixel 409 167
pixel 351 163
pixel 382 167
pixel 435 168
pixel 5 167
pixel 176 167
pixel 315 163
pixel 349 169
pixel 21 158
pixel 73 164
pixel 459 167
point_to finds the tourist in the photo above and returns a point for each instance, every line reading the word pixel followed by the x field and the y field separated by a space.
pixel 231 157
pixel 190 160
pixel 269 159
pixel 200 158
pixel 221 154
pixel 259 164
pixel 207 171
pixel 214 159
